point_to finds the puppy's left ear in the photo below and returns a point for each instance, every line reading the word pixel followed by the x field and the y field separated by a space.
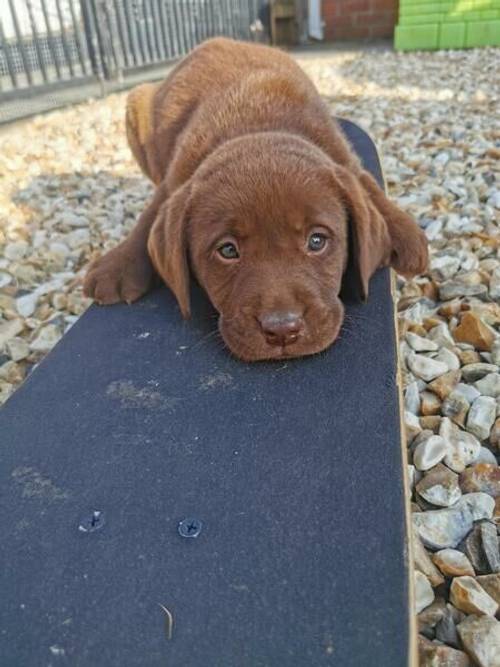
pixel 381 234
pixel 168 246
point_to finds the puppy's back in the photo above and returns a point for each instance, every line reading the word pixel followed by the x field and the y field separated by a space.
pixel 221 90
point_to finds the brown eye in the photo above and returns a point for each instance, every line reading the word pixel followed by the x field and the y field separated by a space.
pixel 228 251
pixel 316 242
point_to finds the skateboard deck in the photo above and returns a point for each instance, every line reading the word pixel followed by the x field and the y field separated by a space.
pixel 164 504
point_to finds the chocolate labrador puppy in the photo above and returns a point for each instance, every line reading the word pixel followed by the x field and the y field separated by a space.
pixel 257 194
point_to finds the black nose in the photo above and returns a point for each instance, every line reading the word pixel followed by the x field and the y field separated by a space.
pixel 281 328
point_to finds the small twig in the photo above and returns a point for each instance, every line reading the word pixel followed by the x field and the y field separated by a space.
pixel 169 621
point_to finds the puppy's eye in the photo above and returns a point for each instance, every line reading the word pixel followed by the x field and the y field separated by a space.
pixel 316 242
pixel 228 251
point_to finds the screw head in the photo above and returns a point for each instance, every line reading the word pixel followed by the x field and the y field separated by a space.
pixel 189 527
pixel 92 522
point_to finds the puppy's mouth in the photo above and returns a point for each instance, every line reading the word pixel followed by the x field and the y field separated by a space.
pixel 249 344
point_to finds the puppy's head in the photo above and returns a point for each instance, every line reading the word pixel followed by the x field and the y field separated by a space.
pixel 266 222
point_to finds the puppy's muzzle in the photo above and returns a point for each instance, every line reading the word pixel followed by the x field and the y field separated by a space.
pixel 281 328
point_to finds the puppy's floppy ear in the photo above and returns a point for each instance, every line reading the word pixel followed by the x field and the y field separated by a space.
pixel 369 240
pixel 380 233
pixel 167 246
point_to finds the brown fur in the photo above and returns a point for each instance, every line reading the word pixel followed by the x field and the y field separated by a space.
pixel 243 150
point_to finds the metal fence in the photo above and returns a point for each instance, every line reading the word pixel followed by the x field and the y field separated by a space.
pixel 49 43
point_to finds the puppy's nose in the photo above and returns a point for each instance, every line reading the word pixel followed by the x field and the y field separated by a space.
pixel 281 328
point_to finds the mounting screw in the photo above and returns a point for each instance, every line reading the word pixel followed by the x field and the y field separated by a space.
pixel 93 521
pixel 189 527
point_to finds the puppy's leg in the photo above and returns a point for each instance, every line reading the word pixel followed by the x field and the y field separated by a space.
pixel 126 273
pixel 410 254
pixel 139 124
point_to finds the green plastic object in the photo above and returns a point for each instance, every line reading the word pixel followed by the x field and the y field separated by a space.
pixel 421 19
pixel 447 25
pixel 417 10
pixel 415 37
pixel 452 35
pixel 483 33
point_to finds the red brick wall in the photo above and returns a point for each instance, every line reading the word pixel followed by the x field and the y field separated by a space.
pixel 359 19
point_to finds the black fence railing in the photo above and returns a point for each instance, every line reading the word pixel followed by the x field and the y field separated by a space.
pixel 51 43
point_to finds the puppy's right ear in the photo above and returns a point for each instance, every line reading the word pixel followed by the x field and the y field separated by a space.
pixel 369 239
pixel 381 234
pixel 168 245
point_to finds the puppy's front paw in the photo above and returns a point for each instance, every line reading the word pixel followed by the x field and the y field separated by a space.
pixel 122 274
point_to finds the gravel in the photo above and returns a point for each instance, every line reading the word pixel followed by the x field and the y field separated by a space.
pixel 70 190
